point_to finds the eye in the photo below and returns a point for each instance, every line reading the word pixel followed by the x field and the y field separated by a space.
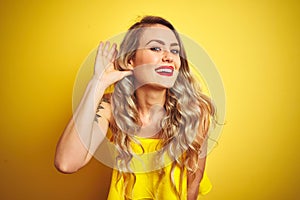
pixel 155 49
pixel 175 51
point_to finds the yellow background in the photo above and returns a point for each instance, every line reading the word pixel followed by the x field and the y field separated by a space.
pixel 254 44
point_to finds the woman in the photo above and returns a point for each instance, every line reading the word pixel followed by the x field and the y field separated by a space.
pixel 155 109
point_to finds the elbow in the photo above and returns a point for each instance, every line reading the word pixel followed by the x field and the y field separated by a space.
pixel 65 167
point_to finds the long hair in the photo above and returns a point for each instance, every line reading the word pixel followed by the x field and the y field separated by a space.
pixel 188 113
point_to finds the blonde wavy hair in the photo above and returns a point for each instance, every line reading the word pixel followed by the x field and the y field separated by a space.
pixel 189 113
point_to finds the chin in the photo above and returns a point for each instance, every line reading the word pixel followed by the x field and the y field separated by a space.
pixel 163 85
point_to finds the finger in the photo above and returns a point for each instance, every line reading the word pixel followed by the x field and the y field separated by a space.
pixel 127 73
pixel 122 74
pixel 105 50
pixel 118 75
pixel 113 59
pixel 99 50
pixel 112 52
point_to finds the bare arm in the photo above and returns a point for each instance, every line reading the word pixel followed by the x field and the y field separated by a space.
pixel 83 134
pixel 193 180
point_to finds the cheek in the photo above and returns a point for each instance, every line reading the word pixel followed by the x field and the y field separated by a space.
pixel 141 71
pixel 145 57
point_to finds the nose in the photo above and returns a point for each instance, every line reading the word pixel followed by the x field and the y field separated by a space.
pixel 167 56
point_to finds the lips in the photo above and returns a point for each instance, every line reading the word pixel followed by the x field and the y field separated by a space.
pixel 165 70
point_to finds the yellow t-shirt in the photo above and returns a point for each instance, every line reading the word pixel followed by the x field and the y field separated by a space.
pixel 145 186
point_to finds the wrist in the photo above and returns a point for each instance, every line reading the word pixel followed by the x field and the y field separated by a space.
pixel 99 83
pixel 97 87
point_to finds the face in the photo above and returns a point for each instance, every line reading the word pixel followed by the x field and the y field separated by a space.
pixel 157 59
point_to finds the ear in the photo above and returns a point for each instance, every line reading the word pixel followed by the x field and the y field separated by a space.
pixel 130 64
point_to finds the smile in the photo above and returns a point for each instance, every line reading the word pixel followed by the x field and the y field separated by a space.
pixel 165 70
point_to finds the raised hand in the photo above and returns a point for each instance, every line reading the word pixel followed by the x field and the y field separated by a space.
pixel 104 64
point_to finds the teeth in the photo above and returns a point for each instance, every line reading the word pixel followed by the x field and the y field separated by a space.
pixel 164 70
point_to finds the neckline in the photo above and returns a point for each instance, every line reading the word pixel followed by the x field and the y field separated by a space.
pixel 146 138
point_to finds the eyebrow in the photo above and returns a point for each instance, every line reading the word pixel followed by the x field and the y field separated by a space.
pixel 162 42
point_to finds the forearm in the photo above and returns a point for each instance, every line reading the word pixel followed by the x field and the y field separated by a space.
pixel 79 137
pixel 193 180
pixel 193 188
pixel 84 115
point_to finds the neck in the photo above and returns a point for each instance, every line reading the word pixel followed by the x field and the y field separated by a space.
pixel 147 97
pixel 150 102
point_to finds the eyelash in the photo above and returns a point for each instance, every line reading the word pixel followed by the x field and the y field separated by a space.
pixel 155 49
pixel 174 51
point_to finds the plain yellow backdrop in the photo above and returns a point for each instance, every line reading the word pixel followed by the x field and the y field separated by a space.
pixel 254 44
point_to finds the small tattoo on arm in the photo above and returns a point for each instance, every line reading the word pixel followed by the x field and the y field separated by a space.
pixel 97 116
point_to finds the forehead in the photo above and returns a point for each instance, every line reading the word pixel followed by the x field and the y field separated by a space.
pixel 157 32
